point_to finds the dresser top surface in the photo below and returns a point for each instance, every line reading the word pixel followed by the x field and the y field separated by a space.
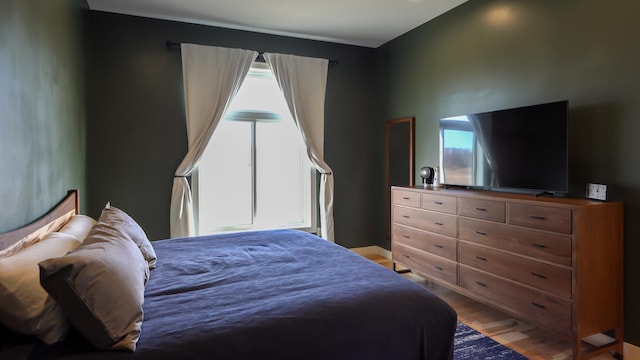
pixel 497 195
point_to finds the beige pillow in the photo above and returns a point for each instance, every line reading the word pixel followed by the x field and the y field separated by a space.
pixel 100 287
pixel 113 216
pixel 25 307
pixel 79 226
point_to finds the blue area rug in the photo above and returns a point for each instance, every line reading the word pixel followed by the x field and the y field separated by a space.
pixel 470 344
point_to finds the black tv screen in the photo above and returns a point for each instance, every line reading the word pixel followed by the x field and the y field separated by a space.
pixel 523 148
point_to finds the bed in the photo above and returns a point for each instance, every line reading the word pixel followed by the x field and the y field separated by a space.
pixel 280 294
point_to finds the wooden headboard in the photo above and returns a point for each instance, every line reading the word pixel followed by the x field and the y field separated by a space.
pixel 51 221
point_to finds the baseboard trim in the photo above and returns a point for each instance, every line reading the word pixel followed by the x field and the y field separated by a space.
pixel 372 250
pixel 631 352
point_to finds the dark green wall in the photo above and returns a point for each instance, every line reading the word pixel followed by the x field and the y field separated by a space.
pixel 136 124
pixel 42 119
pixel 488 55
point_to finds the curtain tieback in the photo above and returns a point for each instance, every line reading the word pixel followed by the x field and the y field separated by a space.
pixel 179 176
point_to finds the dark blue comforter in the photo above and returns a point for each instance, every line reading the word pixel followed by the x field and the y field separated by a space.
pixel 275 295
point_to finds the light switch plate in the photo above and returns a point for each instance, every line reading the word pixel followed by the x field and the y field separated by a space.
pixel 597 191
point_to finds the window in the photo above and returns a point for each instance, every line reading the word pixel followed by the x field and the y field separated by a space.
pixel 255 173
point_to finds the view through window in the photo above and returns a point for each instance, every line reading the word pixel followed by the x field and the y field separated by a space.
pixel 255 173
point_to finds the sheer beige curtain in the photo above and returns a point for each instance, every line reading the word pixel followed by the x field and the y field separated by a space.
pixel 303 81
pixel 212 77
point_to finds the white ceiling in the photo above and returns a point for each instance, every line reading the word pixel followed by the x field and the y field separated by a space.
pixel 368 23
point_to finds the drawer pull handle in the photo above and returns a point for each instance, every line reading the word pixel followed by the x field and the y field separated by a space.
pixel 481 209
pixel 439 223
pixel 438 203
pixel 481 258
pixel 536 217
pixel 538 275
pixel 438 268
pixel 406 216
pixel 481 233
pixel 481 284
pixel 439 246
pixel 538 305
pixel 406 198
pixel 406 236
pixel 540 246
pixel 405 255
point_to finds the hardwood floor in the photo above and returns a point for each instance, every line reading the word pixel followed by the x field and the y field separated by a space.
pixel 528 340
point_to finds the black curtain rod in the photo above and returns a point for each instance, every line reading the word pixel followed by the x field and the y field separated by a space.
pixel 172 45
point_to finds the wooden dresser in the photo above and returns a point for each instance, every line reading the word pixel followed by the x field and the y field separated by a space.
pixel 553 262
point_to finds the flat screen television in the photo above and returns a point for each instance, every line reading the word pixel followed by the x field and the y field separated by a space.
pixel 523 149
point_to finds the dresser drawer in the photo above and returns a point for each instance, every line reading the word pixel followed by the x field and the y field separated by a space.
pixel 425 264
pixel 537 306
pixel 432 243
pixel 406 198
pixel 541 217
pixel 483 209
pixel 426 220
pixel 443 203
pixel 539 245
pixel 554 279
